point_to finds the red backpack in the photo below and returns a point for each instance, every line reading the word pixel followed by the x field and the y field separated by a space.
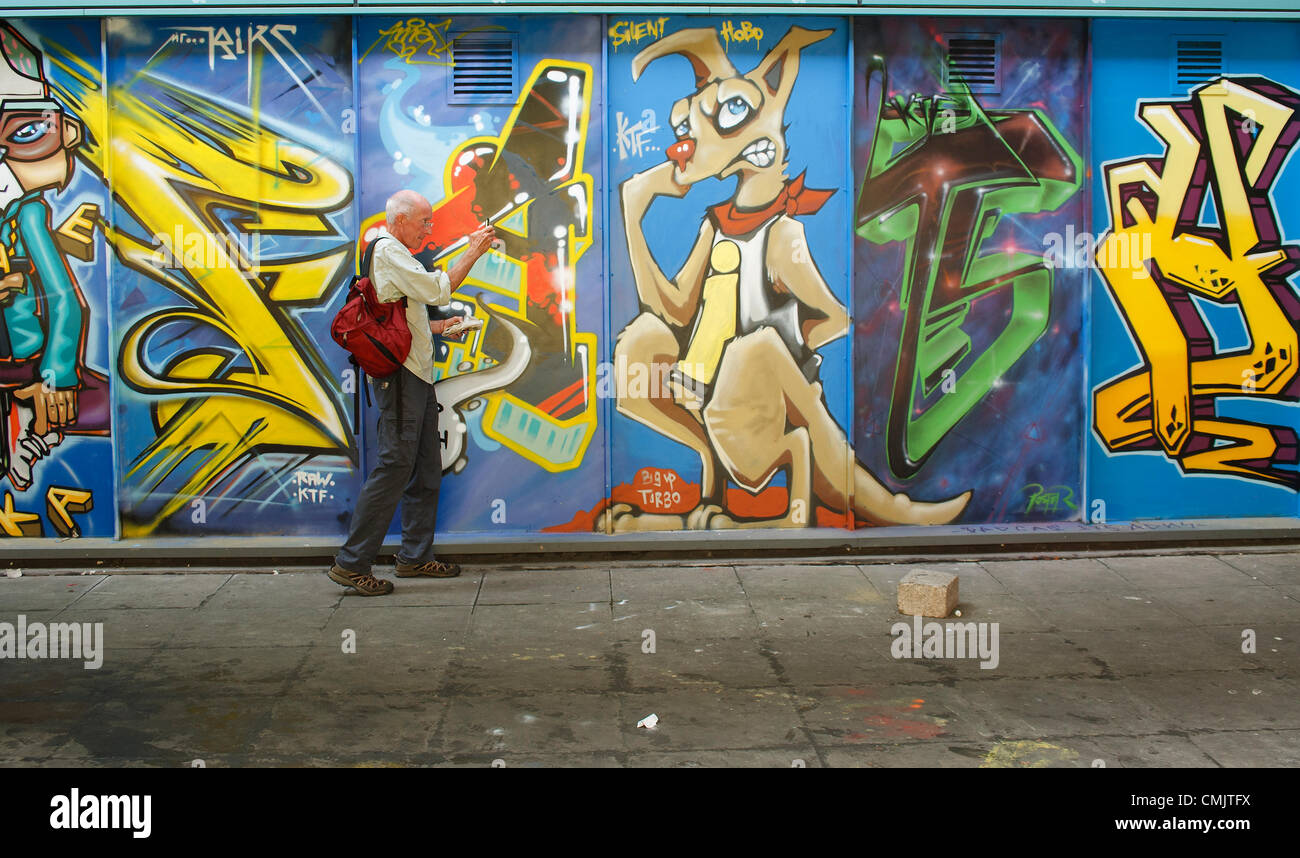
pixel 373 331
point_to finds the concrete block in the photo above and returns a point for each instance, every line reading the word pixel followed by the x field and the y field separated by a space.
pixel 923 593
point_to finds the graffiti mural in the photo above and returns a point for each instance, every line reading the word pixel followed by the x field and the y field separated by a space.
pixel 1195 304
pixel 1225 143
pixel 726 357
pixel 518 397
pixel 54 385
pixel 968 329
pixel 232 224
pixel 842 284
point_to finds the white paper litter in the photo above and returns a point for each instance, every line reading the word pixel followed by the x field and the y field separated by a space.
pixel 648 721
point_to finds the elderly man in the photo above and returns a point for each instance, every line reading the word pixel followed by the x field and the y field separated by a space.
pixel 410 462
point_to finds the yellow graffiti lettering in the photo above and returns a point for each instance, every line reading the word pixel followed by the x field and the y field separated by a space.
pixel 61 503
pixel 631 32
pixel 76 235
pixel 1168 403
pixel 744 33
pixel 415 35
pixel 213 415
pixel 15 523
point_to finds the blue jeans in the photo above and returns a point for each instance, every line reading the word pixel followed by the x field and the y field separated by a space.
pixel 409 469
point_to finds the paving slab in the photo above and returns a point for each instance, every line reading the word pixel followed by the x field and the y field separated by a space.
pixel 1027 655
pixel 844 584
pixel 1216 606
pixel 379 669
pixel 684 622
pixel 511 624
pixel 830 659
pixel 533 723
pixel 541 586
pixel 398 626
pixel 1277 645
pixel 1269 568
pixel 734 662
pixel 1161 652
pixel 360 724
pixel 152 591
pixel 132 628
pixel 1177 570
pixel 1137 752
pixel 198 672
pixel 872 714
pixel 799 617
pixel 1250 748
pixel 43 592
pixel 1095 611
pixel 551 646
pixel 1038 708
pixel 712 717
pixel 252 592
pixel 1074 575
pixel 1012 613
pixel 56 680
pixel 260 628
pixel 163 729
pixel 36 729
pixel 1223 701
pixel 660 583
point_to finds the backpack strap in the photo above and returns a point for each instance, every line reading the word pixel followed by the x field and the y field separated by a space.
pixel 367 261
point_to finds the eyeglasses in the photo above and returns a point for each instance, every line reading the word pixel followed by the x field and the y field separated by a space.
pixel 31 134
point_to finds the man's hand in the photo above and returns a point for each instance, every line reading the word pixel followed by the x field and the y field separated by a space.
pixel 54 408
pixel 481 239
pixel 438 326
pixel 477 243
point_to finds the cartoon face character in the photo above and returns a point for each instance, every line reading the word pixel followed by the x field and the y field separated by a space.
pixel 36 135
pixel 732 123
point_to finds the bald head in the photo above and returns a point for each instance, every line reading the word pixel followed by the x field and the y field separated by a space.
pixel 409 217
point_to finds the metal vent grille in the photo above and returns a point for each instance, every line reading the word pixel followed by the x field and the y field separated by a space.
pixel 483 69
pixel 1198 61
pixel 973 59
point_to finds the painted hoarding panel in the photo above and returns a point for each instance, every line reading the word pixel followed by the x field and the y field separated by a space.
pixel 1195 306
pixel 55 366
pixel 968 368
pixel 521 419
pixel 231 167
pixel 728 274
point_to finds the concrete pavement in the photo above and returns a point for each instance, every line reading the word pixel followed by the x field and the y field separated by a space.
pixel 1128 659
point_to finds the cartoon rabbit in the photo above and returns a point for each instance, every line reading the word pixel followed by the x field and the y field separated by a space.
pixel 741 323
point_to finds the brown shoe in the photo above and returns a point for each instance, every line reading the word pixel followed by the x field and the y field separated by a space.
pixel 365 585
pixel 432 569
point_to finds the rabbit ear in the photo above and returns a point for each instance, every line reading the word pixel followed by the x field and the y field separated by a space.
pixel 777 71
pixel 699 45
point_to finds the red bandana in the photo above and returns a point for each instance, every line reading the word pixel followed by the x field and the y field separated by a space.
pixel 794 199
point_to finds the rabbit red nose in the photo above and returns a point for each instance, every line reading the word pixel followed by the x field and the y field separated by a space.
pixel 680 152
